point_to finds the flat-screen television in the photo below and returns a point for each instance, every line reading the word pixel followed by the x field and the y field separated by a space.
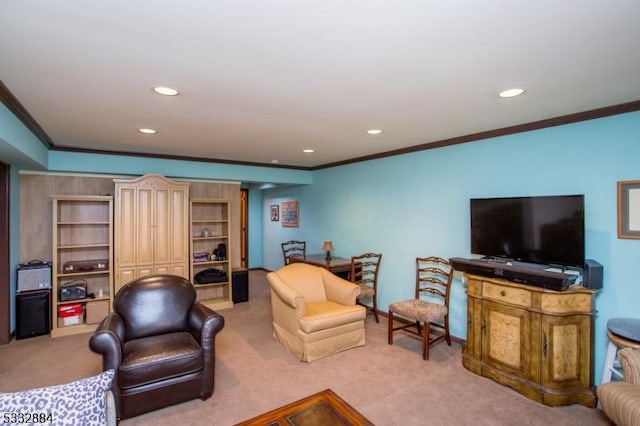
pixel 542 229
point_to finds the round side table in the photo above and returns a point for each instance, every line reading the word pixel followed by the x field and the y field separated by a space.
pixel 622 333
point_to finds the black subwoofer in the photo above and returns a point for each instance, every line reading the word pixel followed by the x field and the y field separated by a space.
pixel 33 313
pixel 240 284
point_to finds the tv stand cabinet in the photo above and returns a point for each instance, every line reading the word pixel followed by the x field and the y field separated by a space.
pixel 538 342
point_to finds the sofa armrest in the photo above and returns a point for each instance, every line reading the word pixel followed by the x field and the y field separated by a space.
pixel 289 296
pixel 339 290
pixel 630 360
pixel 205 323
pixel 108 340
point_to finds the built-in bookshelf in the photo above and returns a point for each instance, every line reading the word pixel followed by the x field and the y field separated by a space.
pixel 211 250
pixel 82 243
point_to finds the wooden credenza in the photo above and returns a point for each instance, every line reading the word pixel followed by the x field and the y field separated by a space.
pixel 539 342
pixel 151 215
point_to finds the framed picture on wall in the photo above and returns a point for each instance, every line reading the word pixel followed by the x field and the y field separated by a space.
pixel 275 213
pixel 629 209
pixel 290 214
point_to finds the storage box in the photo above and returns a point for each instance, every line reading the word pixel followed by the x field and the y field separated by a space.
pixel 97 311
pixel 69 315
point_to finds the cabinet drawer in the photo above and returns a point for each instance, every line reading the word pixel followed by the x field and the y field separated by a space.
pixel 567 303
pixel 504 294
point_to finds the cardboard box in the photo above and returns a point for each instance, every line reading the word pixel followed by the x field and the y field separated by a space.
pixel 97 311
pixel 67 321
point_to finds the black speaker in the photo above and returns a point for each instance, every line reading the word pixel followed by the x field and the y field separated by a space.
pixel 33 312
pixel 592 274
pixel 240 284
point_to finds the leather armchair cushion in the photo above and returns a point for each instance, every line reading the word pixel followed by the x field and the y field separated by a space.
pixel 156 358
pixel 328 314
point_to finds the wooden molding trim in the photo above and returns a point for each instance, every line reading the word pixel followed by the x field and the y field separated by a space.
pixel 519 128
pixel 5 273
pixel 23 115
pixel 19 111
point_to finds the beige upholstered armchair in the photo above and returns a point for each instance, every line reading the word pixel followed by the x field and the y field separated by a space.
pixel 314 311
pixel 620 401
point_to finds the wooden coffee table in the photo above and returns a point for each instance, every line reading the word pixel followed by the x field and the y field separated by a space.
pixel 321 409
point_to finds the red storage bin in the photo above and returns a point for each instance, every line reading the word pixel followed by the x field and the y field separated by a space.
pixel 69 314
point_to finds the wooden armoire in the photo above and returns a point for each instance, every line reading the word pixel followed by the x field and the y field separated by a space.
pixel 151 218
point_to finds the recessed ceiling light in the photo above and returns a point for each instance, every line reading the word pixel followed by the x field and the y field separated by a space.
pixel 147 131
pixel 308 150
pixel 275 161
pixel 374 132
pixel 167 91
pixel 510 93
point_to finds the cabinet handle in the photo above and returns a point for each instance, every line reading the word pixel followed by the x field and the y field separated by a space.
pixel 503 293
pixel 484 327
pixel 544 345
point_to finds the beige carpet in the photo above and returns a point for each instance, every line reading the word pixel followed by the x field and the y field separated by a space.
pixel 390 385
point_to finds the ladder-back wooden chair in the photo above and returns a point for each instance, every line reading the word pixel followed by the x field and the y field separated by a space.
pixel 364 272
pixel 430 307
pixel 294 248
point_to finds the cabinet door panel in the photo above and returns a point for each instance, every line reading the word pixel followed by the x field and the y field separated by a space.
pixel 145 226
pixel 163 229
pixel 123 276
pixel 125 227
pixel 180 226
pixel 506 343
pixel 161 269
pixel 180 270
pixel 566 351
pixel 143 272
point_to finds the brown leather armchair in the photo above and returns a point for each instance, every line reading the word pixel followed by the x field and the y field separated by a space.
pixel 161 344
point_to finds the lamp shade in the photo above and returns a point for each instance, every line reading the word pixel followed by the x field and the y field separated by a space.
pixel 327 246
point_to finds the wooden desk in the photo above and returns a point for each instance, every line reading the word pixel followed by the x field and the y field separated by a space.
pixel 338 265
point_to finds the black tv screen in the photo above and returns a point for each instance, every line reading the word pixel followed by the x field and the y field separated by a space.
pixel 543 229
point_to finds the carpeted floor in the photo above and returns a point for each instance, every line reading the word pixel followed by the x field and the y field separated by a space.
pixel 390 385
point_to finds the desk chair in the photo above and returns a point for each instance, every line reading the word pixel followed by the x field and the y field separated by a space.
pixel 293 248
pixel 364 273
pixel 430 306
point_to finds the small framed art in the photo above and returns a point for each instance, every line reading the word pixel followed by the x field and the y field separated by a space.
pixel 629 209
pixel 275 213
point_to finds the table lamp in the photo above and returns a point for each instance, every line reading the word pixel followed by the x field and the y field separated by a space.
pixel 328 246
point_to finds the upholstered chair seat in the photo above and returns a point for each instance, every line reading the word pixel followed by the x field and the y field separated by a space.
pixel 419 310
pixel 155 358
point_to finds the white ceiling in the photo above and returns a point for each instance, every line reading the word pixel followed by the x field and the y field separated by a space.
pixel 261 80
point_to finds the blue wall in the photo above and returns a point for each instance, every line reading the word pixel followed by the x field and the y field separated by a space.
pixel 418 204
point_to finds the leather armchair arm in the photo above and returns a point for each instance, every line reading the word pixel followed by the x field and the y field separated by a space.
pixel 205 324
pixel 630 360
pixel 339 290
pixel 108 340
